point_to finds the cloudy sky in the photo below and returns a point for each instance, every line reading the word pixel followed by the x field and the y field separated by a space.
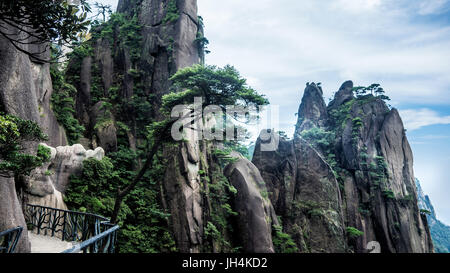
pixel 404 45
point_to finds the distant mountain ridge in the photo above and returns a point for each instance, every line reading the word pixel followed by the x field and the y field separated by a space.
pixel 440 232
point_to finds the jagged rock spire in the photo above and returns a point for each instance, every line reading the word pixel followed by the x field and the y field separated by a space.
pixel 313 110
pixel 369 163
pixel 344 94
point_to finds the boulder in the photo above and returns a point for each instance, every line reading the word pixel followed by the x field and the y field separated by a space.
pixel 255 212
pixel 46 185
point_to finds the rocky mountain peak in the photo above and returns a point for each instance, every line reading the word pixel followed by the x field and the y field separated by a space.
pixel 344 94
pixel 359 144
pixel 313 110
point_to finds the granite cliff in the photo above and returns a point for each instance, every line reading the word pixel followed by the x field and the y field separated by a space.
pixel 349 171
pixel 135 68
pixel 25 91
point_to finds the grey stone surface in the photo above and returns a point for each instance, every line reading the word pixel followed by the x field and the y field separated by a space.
pixel 47 244
pixel 385 209
pixel 343 95
pixel 11 214
pixel 46 185
pixel 255 212
pixel 105 130
pixel 305 194
pixel 25 91
pixel 312 112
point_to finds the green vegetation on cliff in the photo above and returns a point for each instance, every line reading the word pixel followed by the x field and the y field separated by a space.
pixel 143 223
pixel 15 159
pixel 137 173
pixel 283 242
pixel 51 21
pixel 63 105
pixel 172 13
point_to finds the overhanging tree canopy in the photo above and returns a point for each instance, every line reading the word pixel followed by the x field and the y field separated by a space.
pixel 25 22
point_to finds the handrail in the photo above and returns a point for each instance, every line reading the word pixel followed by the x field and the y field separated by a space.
pixel 69 225
pixel 11 237
pixel 94 232
pixel 71 211
pixel 94 241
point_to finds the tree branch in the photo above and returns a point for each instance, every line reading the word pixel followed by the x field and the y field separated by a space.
pixel 32 55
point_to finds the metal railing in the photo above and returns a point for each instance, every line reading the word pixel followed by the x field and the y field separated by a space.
pixel 93 233
pixel 9 239
pixel 102 243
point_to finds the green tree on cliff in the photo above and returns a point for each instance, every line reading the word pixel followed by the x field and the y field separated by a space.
pixel 218 86
pixel 374 89
pixel 14 133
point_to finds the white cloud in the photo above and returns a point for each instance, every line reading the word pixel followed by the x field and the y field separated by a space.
pixel 417 143
pixel 432 7
pixel 312 40
pixel 356 6
pixel 433 137
pixel 414 119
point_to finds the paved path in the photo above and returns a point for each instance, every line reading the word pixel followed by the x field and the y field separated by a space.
pixel 47 244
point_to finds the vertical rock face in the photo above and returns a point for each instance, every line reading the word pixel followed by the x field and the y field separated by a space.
pixel 167 48
pixel 168 33
pixel 11 214
pixel 102 122
pixel 360 178
pixel 26 88
pixel 305 194
pixel 157 34
pixel 25 91
pixel 255 212
pixel 302 185
pixel 378 177
pixel 183 188
pixel 83 97
pixel 168 44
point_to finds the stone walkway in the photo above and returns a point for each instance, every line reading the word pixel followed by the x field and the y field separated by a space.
pixel 47 244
